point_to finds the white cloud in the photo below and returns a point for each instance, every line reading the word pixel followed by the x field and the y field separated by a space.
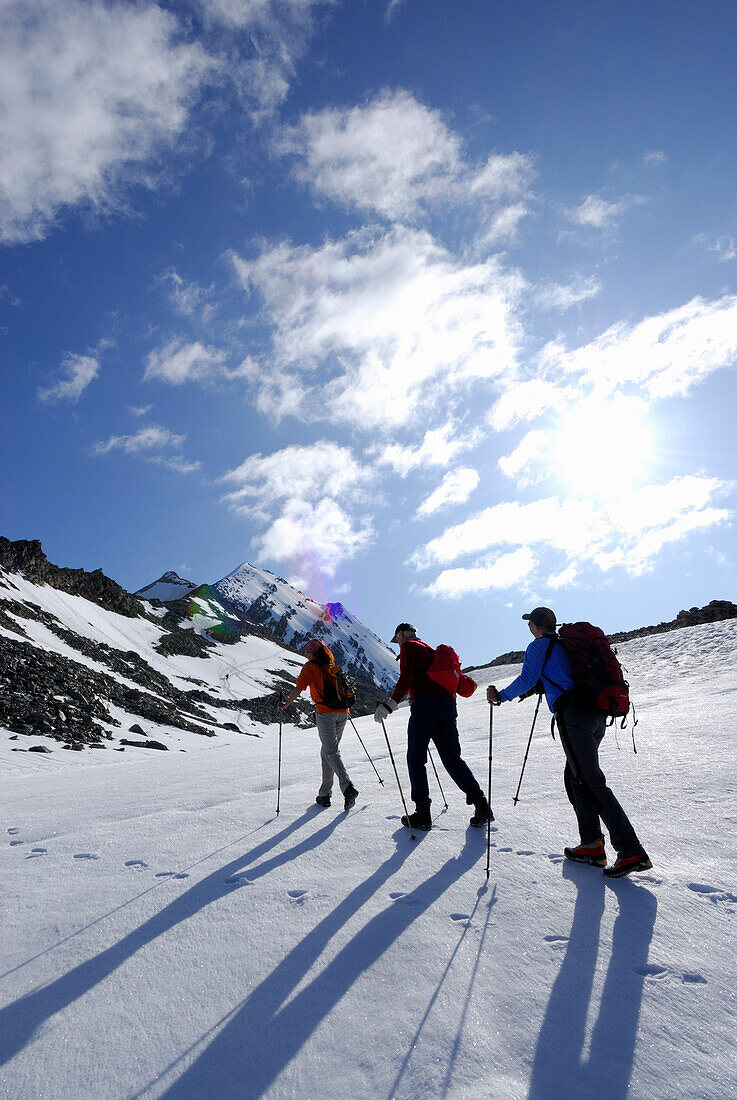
pixel 654 158
pixel 560 296
pixel 304 494
pixel 664 355
pixel 455 488
pixel 91 95
pixel 563 579
pixel 724 247
pixel 532 450
pixel 398 158
pixel 151 438
pixel 438 448
pixel 152 443
pixel 304 473
pixel 596 212
pixel 506 571
pixel 628 531
pixel 178 362
pixel 395 318
pixel 526 401
pixel 388 156
pixel 188 298
pixel 77 373
pixel 321 531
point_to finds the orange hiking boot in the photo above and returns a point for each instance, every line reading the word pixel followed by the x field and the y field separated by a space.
pixel 625 865
pixel 592 853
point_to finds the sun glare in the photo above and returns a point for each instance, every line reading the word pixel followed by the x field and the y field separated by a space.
pixel 603 448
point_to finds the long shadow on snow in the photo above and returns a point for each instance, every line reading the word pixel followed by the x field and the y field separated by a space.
pixel 261 1037
pixel 558 1068
pixel 19 1020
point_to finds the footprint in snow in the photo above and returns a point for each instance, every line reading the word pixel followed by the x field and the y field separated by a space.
pixel 241 879
pixel 396 895
pixel 651 970
pixel 461 918
pixel 13 831
pixel 505 849
pixel 525 852
pixel 297 895
pixel 86 855
pixel 715 895
pixel 35 853
pixel 694 978
pixel 15 843
pixel 136 863
pixel 556 941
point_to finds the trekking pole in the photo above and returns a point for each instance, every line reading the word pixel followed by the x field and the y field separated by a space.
pixel 488 796
pixel 358 735
pixel 437 776
pixel 278 780
pixel 401 792
pixel 529 742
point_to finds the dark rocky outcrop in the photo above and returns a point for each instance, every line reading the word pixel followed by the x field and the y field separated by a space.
pixel 28 558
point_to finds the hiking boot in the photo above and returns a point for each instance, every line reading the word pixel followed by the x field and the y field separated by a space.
pixel 483 813
pixel 323 800
pixel 625 865
pixel 592 853
pixel 420 819
pixel 350 794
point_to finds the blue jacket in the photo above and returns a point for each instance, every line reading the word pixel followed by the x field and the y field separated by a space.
pixel 557 667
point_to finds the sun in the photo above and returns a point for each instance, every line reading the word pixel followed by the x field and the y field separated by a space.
pixel 603 447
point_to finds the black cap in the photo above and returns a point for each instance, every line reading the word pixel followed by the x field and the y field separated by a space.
pixel 542 617
pixel 401 627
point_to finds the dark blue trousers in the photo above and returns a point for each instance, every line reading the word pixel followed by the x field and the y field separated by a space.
pixel 433 718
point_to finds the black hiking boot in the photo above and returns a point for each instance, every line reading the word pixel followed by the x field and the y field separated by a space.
pixel 483 813
pixel 323 800
pixel 420 819
pixel 350 794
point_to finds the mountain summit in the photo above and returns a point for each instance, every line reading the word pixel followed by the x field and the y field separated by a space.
pixel 292 618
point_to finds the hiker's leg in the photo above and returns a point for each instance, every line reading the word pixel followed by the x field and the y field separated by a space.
pixel 581 733
pixel 448 745
pixel 329 752
pixel 418 739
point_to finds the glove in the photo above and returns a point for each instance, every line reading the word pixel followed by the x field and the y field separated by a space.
pixel 383 710
pixel 492 695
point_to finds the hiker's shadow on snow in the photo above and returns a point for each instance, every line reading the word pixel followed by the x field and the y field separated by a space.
pixel 20 1019
pixel 260 1037
pixel 559 1067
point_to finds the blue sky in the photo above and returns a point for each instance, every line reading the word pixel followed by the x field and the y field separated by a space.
pixel 429 308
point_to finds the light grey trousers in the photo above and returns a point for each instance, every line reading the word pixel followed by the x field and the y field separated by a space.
pixel 330 726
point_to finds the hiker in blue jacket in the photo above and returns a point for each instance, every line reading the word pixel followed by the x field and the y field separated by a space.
pixel 546 668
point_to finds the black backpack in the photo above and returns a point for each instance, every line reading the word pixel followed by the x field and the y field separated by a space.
pixel 338 690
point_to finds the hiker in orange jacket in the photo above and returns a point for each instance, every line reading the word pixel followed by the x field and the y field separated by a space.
pixel 331 720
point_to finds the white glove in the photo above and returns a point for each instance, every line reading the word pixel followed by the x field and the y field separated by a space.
pixel 383 710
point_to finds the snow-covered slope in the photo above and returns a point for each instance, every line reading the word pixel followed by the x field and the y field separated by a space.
pixel 77 673
pixel 166 934
pixel 293 617
pixel 169 586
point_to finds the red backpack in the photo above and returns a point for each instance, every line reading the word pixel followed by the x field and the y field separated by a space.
pixel 445 669
pixel 598 679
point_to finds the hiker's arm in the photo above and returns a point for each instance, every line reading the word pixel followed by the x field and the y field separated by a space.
pixel 530 674
pixel 303 681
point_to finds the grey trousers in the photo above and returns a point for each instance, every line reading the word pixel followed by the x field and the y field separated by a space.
pixel 581 732
pixel 330 726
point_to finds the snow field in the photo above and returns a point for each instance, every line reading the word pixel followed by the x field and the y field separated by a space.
pixel 319 954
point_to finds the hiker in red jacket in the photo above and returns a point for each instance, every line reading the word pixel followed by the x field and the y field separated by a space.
pixel 432 718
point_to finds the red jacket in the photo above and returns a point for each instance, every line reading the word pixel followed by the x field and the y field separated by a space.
pixel 415 658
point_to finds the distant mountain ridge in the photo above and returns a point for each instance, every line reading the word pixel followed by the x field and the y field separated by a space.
pixel 251 599
pixel 713 612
